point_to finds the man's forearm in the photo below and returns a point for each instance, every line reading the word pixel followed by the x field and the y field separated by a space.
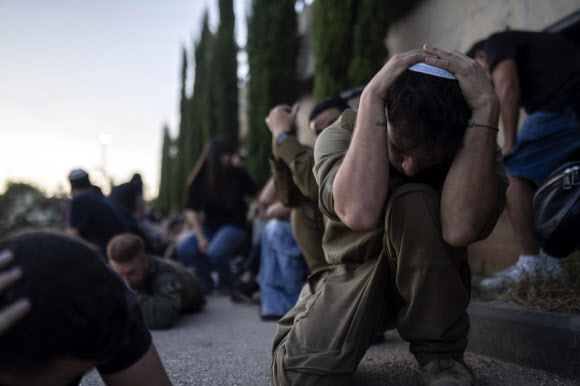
pixel 469 194
pixel 361 184
pixel 194 221
pixel 506 83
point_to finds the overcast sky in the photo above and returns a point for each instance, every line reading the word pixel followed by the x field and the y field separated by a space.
pixel 87 83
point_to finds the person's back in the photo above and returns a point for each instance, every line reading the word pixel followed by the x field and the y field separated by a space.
pixel 81 316
pixel 548 66
pixel 96 219
pixel 91 215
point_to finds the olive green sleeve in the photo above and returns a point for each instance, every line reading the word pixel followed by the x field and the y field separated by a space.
pixel 286 190
pixel 329 152
pixel 300 162
pixel 161 309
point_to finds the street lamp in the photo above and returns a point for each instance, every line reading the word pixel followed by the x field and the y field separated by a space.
pixel 105 141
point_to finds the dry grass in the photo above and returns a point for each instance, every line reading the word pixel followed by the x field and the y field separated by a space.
pixel 535 293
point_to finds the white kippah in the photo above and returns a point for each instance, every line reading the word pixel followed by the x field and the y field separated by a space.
pixel 430 70
pixel 77 174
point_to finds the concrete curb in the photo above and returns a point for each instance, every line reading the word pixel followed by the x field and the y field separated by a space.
pixel 541 340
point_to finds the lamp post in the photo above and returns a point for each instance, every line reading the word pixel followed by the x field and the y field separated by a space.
pixel 105 141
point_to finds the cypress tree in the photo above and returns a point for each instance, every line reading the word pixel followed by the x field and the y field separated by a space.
pixel 332 45
pixel 201 116
pixel 272 53
pixel 204 83
pixel 183 141
pixel 164 196
pixel 369 48
pixel 225 75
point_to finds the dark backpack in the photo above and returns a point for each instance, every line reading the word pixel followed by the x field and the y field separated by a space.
pixel 557 211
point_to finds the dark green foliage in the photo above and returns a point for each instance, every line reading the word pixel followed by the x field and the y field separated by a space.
pixel 332 37
pixel 348 43
pixel 183 141
pixel 225 67
pixel 164 201
pixel 272 53
pixel 203 99
pixel 202 111
pixel 369 49
pixel 25 206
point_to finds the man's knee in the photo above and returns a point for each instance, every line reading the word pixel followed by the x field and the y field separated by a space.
pixel 412 205
pixel 281 376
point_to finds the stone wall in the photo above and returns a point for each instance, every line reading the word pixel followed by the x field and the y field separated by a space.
pixel 457 24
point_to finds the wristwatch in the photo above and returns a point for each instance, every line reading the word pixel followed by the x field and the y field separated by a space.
pixel 282 137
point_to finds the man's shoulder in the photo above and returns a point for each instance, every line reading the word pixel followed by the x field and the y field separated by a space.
pixel 163 271
pixel 158 265
pixel 336 137
pixel 87 197
pixel 347 120
pixel 89 202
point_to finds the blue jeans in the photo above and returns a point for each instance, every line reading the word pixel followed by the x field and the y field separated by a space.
pixel 224 244
pixel 282 268
pixel 544 143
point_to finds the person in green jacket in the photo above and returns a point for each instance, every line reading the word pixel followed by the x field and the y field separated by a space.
pixel 407 183
pixel 163 288
pixel 291 163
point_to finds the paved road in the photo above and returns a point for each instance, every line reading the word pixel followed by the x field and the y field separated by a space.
pixel 227 344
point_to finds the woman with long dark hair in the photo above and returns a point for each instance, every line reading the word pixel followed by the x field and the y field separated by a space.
pixel 216 212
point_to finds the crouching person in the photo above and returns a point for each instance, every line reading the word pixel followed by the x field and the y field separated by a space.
pixel 80 316
pixel 407 182
pixel 163 288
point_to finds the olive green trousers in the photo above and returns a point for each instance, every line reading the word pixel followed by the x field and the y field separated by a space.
pixel 419 284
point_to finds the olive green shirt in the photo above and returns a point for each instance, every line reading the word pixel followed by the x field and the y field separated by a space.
pixel 340 243
pixel 296 187
pixel 293 177
pixel 169 289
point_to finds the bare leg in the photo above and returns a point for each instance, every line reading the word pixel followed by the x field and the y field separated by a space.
pixel 520 209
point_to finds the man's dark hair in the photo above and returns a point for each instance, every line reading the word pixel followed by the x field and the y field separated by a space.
pixel 328 103
pixel 79 307
pixel 124 247
pixel 478 46
pixel 427 109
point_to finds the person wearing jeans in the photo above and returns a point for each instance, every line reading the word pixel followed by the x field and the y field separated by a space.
pixel 216 209
pixel 282 269
pixel 226 242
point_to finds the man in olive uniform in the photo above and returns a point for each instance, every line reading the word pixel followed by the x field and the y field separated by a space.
pixel 163 288
pixel 407 182
pixel 291 164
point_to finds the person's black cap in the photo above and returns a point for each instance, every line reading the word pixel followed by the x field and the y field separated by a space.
pixel 326 103
pixel 79 179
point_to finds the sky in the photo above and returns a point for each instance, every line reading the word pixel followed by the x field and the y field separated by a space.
pixel 90 84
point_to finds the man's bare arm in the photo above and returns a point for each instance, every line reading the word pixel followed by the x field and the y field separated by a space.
pixel 361 184
pixel 193 218
pixel 469 195
pixel 147 371
pixel 507 86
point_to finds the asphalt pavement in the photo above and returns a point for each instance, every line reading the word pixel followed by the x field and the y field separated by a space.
pixel 228 344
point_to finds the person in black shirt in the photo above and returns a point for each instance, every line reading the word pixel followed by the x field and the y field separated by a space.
pixel 92 216
pixel 78 315
pixel 540 72
pixel 216 209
